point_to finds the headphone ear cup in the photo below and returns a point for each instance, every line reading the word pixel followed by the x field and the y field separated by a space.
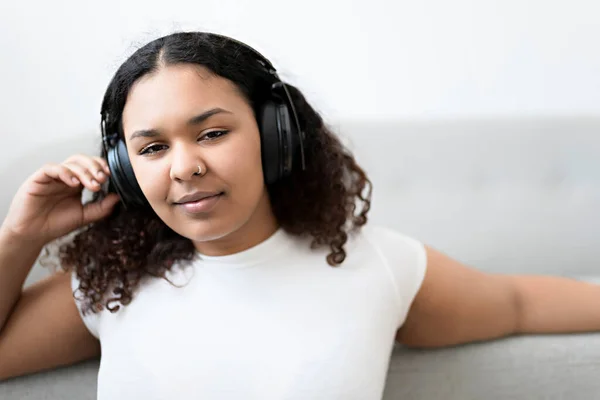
pixel 289 142
pixel 123 177
pixel 270 142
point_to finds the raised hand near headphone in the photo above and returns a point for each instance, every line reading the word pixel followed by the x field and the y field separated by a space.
pixel 48 204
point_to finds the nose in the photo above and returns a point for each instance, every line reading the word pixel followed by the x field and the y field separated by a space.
pixel 185 163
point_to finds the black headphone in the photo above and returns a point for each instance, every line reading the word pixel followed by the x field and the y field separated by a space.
pixel 282 139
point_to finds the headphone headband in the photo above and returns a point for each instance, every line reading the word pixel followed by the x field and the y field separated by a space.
pixel 259 57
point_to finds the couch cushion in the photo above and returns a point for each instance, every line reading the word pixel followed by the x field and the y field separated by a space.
pixel 527 367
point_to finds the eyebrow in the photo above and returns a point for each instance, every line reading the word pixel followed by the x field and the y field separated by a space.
pixel 149 133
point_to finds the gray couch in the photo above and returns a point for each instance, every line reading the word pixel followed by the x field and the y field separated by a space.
pixel 516 196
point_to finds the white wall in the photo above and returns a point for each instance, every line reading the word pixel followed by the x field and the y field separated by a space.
pixel 354 59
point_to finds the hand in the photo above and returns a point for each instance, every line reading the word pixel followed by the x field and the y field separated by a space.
pixel 48 204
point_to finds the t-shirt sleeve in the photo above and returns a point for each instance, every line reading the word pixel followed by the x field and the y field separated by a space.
pixel 91 320
pixel 405 259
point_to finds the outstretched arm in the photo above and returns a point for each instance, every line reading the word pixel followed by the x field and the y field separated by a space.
pixel 457 304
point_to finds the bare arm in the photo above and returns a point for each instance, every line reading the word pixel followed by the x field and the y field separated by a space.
pixel 42 328
pixel 16 260
pixel 550 304
pixel 457 304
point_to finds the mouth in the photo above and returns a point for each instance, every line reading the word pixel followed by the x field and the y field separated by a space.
pixel 199 203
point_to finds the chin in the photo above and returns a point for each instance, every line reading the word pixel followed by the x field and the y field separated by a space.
pixel 217 223
pixel 204 230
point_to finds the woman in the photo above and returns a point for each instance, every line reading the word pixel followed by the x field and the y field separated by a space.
pixel 238 263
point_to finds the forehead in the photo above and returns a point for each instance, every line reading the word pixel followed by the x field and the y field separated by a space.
pixel 176 92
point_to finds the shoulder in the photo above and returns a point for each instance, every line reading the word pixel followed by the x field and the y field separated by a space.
pixel 384 235
pixel 394 246
pixel 91 320
pixel 404 256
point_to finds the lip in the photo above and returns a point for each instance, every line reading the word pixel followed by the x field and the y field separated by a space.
pixel 200 204
pixel 196 196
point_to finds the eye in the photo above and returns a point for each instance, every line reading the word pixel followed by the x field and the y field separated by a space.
pixel 152 149
pixel 212 135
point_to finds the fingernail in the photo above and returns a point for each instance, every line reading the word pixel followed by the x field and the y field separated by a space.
pixel 94 182
pixel 75 180
pixel 100 174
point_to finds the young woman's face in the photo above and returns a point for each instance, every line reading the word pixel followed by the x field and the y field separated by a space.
pixel 181 120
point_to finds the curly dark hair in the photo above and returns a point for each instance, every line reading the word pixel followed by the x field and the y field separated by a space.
pixel 112 256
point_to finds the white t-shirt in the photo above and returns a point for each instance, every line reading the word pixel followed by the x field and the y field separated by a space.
pixel 272 322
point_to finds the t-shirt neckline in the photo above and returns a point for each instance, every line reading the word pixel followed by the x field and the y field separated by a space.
pixel 256 254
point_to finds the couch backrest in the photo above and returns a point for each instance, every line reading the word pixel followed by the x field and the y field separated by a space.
pixel 501 195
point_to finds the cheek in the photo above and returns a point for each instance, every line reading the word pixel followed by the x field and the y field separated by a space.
pixel 240 166
pixel 153 179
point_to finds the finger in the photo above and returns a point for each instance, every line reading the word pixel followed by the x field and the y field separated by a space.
pixel 104 164
pixel 95 211
pixel 93 164
pixel 84 175
pixel 56 172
